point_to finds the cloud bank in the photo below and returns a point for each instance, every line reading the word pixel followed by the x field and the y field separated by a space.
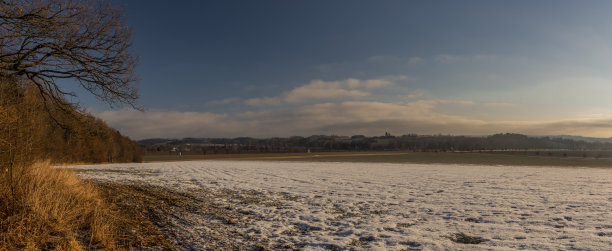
pixel 349 107
pixel 345 118
pixel 320 90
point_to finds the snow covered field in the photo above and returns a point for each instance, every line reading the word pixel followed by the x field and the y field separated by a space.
pixel 314 205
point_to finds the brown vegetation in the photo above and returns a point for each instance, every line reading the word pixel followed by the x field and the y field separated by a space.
pixel 42 42
pixel 34 129
pixel 49 208
pixel 46 208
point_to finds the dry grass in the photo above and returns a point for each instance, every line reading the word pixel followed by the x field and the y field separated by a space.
pixel 52 209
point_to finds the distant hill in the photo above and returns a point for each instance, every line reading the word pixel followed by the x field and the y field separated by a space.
pixel 154 141
pixel 585 139
pixel 502 141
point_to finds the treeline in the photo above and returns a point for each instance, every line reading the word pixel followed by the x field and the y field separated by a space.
pixel 32 129
pixel 321 143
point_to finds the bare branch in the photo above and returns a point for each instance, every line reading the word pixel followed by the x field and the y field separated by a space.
pixel 48 40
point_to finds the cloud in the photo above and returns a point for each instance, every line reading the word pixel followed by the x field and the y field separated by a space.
pixel 457 102
pixel 395 78
pixel 263 101
pixel 499 104
pixel 450 58
pixel 172 124
pixel 345 118
pixel 319 89
pixel 446 59
pixel 415 60
pixel 313 91
pixel 386 59
pixel 224 101
pixel 350 88
pixel 434 103
pixel 414 94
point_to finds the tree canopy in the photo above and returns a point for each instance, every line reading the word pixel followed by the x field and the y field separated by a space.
pixel 50 40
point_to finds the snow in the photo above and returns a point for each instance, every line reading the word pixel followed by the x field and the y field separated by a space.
pixel 379 206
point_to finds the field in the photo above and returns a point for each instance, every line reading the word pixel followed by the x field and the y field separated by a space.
pixel 328 205
pixel 510 158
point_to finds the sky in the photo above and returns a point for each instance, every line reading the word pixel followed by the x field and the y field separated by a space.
pixel 298 68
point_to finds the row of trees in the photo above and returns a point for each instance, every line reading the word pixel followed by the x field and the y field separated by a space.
pixel 32 128
pixel 362 143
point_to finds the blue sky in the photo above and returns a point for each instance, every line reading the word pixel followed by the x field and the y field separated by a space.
pixel 283 68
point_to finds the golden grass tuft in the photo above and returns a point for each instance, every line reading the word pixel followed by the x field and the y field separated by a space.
pixel 50 208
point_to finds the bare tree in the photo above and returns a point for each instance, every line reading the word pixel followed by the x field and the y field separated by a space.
pixel 50 40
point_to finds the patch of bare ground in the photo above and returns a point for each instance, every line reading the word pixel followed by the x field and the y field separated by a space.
pixel 140 229
pixel 163 218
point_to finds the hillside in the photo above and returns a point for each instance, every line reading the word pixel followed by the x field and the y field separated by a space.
pixel 32 128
